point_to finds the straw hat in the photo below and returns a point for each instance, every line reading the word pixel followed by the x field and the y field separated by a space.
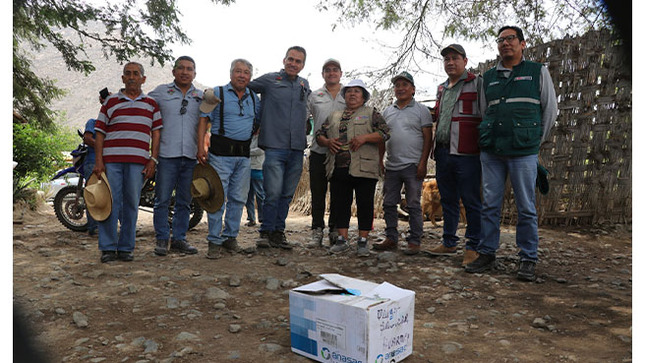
pixel 98 197
pixel 206 188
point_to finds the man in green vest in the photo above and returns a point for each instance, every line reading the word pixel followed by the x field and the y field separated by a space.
pixel 521 108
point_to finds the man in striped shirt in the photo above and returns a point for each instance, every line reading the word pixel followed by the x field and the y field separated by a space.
pixel 124 128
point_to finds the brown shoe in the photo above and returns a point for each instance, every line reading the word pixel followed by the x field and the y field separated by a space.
pixel 469 256
pixel 412 249
pixel 387 245
pixel 442 250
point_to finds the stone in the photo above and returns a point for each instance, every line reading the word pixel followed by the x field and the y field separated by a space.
pixel 185 336
pixel 214 293
pixel 234 328
pixel 150 346
pixel 80 319
pixel 272 283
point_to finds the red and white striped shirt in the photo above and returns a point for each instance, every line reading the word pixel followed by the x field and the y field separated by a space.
pixel 127 125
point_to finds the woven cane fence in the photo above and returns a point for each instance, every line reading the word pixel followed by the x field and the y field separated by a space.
pixel 588 153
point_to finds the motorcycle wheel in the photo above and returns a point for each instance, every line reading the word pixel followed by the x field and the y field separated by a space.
pixel 196 213
pixel 70 211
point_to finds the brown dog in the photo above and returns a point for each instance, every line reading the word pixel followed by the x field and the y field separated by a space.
pixel 431 203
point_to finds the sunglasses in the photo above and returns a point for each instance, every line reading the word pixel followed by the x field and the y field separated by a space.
pixel 184 103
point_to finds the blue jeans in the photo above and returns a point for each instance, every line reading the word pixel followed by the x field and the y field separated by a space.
pixel 256 195
pixel 88 166
pixel 173 174
pixel 459 177
pixel 281 170
pixel 235 174
pixel 522 171
pixel 125 181
pixel 394 180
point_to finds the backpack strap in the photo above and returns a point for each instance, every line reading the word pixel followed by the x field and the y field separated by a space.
pixel 221 110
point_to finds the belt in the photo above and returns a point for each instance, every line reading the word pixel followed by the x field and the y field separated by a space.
pixel 443 145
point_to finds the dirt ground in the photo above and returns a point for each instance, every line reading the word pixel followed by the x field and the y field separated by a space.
pixel 191 309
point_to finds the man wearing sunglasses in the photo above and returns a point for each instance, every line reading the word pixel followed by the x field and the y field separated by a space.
pixel 233 121
pixel 179 104
pixel 521 107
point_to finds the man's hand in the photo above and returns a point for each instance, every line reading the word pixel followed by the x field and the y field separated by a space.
pixel 334 145
pixel 357 142
pixel 422 170
pixel 149 169
pixel 99 167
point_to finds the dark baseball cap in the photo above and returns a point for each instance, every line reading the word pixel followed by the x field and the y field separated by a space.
pixel 331 61
pixel 404 75
pixel 455 48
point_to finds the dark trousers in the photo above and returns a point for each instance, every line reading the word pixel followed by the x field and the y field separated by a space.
pixel 318 185
pixel 343 188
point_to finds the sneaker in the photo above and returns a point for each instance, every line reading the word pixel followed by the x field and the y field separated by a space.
pixel 263 241
pixel 214 251
pixel 125 256
pixel 526 271
pixel 277 239
pixel 481 264
pixel 469 256
pixel 412 249
pixel 341 245
pixel 162 247
pixel 231 245
pixel 182 247
pixel 387 245
pixel 442 250
pixel 108 256
pixel 316 238
pixel 362 250
pixel 333 236
pixel 250 223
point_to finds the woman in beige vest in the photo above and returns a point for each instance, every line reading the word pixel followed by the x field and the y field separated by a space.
pixel 355 139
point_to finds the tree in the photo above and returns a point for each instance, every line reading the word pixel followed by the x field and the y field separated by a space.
pixel 422 36
pixel 142 28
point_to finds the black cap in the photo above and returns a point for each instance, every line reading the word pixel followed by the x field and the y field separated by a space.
pixel 453 47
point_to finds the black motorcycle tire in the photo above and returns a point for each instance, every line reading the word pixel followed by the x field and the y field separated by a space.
pixel 196 214
pixel 69 211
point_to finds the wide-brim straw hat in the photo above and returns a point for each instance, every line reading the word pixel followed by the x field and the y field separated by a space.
pixel 206 188
pixel 98 197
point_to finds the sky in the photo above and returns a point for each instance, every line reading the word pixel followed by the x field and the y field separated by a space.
pixel 262 31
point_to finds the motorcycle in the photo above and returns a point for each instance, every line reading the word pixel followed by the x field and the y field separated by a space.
pixel 69 204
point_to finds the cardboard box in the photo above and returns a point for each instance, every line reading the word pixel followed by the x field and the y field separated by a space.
pixel 342 319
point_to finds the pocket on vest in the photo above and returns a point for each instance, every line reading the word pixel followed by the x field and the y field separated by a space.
pixel 485 134
pixel 526 134
pixel 369 165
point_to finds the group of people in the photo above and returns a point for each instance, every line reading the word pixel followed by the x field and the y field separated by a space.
pixel 487 129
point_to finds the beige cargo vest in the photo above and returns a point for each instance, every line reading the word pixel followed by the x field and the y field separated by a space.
pixel 364 161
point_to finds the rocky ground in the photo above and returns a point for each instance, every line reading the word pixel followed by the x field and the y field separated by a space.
pixel 190 309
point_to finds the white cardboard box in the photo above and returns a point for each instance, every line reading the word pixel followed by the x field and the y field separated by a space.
pixel 342 319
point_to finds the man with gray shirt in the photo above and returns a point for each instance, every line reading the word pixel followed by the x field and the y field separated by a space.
pixel 179 104
pixel 322 103
pixel 407 149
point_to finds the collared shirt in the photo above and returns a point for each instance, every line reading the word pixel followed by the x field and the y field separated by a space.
pixel 548 98
pixel 239 114
pixel 321 105
pixel 448 101
pixel 405 145
pixel 179 134
pixel 127 125
pixel 284 110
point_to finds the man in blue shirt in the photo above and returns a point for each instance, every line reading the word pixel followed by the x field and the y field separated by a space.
pixel 283 139
pixel 233 121
pixel 179 104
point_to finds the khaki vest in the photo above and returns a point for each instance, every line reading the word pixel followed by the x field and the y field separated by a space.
pixel 364 161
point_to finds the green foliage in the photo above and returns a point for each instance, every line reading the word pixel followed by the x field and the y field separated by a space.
pixel 131 29
pixel 38 153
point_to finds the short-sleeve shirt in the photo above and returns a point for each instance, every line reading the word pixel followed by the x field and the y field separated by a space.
pixel 127 125
pixel 179 133
pixel 321 105
pixel 405 145
pixel 239 114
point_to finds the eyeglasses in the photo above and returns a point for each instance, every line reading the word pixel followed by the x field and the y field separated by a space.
pixel 329 70
pixel 241 104
pixel 184 103
pixel 508 38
